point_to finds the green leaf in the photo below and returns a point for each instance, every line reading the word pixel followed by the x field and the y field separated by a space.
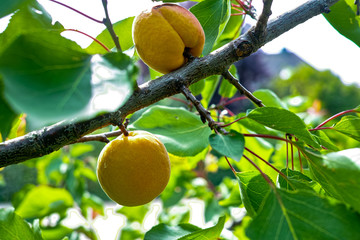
pixel 134 214
pixel 43 200
pixel 350 126
pixel 338 173
pixel 197 87
pixel 9 6
pixel 228 90
pixel 7 116
pixel 113 80
pixel 269 98
pixel 233 200
pixel 123 29
pixel 209 89
pixel 303 215
pixel 208 233
pixel 285 121
pixel 231 31
pixel 230 145
pixel 46 76
pixel 344 19
pixel 162 231
pixel 324 140
pixel 57 232
pixel 181 131
pixel 13 227
pixel 253 189
pixel 211 14
pixel 30 18
pixel 296 180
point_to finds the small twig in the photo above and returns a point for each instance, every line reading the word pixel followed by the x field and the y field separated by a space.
pixel 357 3
pixel 260 28
pixel 228 76
pixel 109 26
pixel 267 179
pixel 231 167
pixel 204 114
pixel 77 11
pixel 102 137
pixel 331 118
pixel 94 39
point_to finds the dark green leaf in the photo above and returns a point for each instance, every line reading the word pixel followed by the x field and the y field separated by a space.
pixel 123 29
pixel 46 76
pixel 211 14
pixel 208 233
pixel 30 18
pixel 181 131
pixel 338 173
pixel 9 6
pixel 344 19
pixel 303 215
pixel 296 180
pixel 7 115
pixel 41 201
pixel 285 121
pixel 269 98
pixel 253 189
pixel 162 231
pixel 230 145
pixel 350 126
pixel 13 227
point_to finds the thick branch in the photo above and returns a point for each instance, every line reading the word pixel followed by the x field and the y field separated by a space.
pixel 52 138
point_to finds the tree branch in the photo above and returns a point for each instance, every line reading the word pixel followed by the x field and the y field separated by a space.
pixel 49 139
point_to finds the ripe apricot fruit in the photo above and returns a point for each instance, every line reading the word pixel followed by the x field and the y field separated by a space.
pixel 162 34
pixel 133 170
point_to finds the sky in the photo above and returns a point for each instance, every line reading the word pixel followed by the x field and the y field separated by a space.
pixel 315 41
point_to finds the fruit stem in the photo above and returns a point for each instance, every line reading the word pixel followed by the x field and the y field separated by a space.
pixel 109 26
pixel 77 11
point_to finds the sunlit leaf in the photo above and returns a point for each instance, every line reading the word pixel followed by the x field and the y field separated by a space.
pixel 44 200
pixel 182 132
pixel 344 19
pixel 163 231
pixel 13 227
pixel 285 121
pixel 350 126
pixel 269 98
pixel 338 173
pixel 122 28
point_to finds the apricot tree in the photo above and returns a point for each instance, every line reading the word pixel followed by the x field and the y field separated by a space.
pixel 297 178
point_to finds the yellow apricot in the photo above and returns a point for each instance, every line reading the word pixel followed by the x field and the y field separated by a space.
pixel 162 34
pixel 133 170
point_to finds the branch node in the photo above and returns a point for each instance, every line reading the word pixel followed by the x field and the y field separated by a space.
pixel 228 76
pixel 204 114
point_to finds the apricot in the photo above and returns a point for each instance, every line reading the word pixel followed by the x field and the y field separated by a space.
pixel 162 34
pixel 133 170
